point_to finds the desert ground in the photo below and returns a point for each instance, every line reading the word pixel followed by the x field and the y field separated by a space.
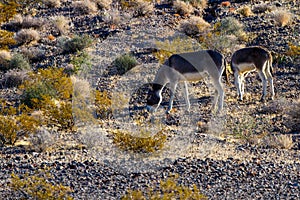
pixel 114 148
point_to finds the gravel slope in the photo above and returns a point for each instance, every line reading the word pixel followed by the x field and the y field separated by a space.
pixel 220 168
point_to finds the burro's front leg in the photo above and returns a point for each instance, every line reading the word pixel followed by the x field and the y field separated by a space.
pixel 186 96
pixel 172 91
pixel 219 96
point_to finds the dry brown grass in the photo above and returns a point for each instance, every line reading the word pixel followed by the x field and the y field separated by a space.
pixel 4 56
pixel 143 8
pixel 32 22
pixel 61 23
pixel 279 141
pixel 85 6
pixel 103 4
pixel 26 36
pixel 262 7
pixel 14 78
pixel 282 17
pixel 200 4
pixel 52 3
pixel 245 11
pixel 194 26
pixel 113 17
pixel 183 8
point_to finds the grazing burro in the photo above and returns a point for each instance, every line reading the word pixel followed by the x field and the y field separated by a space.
pixel 184 67
pixel 249 59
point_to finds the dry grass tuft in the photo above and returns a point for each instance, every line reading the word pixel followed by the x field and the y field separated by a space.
pixel 5 57
pixel 294 116
pixel 194 26
pixel 14 78
pixel 282 17
pixel 200 4
pixel 33 53
pixel 279 141
pixel 26 36
pixel 42 140
pixel 85 6
pixel 103 4
pixel 143 8
pixel 245 11
pixel 52 3
pixel 32 22
pixel 61 23
pixel 262 7
pixel 183 8
pixel 16 22
pixel 113 17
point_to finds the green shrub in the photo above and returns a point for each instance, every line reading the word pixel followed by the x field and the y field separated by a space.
pixel 15 122
pixel 8 9
pixel 18 61
pixel 226 36
pixel 6 39
pixel 103 104
pixel 58 114
pixel 38 186
pixel 168 189
pixel 34 95
pixel 124 63
pixel 81 61
pixel 52 92
pixel 177 45
pixel 78 43
pixel 230 26
pixel 293 50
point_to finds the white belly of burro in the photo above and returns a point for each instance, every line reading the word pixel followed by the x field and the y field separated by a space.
pixel 245 67
pixel 194 76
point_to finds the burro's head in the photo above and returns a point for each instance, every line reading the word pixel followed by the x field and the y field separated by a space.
pixel 154 97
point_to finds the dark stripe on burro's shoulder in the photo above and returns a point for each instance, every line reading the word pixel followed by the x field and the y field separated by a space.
pixel 194 62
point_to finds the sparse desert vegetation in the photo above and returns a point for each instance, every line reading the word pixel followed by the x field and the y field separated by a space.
pixel 74 81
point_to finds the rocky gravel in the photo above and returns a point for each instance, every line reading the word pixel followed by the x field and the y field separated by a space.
pixel 230 178
pixel 219 167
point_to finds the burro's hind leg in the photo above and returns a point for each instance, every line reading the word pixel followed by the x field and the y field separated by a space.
pixel 270 80
pixel 219 96
pixel 238 81
pixel 263 78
